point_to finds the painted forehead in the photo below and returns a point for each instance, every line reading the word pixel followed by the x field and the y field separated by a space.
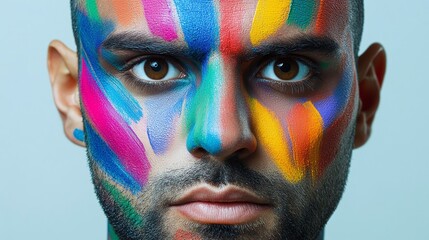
pixel 207 23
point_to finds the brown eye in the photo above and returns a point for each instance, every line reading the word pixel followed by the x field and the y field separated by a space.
pixel 156 69
pixel 285 69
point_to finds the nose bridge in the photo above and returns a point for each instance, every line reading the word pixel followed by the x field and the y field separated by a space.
pixel 215 125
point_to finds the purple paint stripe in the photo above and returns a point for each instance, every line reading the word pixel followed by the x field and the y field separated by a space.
pixel 160 19
pixel 113 129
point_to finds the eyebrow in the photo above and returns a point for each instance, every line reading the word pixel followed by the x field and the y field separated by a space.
pixel 135 41
pixel 304 43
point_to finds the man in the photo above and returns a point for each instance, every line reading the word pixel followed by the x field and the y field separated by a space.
pixel 217 119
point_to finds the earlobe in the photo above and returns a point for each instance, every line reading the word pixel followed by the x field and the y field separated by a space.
pixel 371 71
pixel 63 74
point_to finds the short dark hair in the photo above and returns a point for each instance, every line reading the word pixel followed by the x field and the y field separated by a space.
pixel 357 19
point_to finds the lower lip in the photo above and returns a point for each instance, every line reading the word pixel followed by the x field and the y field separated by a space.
pixel 222 213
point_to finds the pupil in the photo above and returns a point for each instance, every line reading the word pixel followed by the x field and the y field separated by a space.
pixel 155 66
pixel 284 67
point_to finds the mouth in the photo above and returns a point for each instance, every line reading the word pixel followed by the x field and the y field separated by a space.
pixel 230 205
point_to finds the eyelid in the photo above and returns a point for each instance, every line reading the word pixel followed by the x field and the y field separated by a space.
pixel 137 60
pixel 297 88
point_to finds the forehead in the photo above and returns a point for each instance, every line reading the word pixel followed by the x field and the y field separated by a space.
pixel 236 22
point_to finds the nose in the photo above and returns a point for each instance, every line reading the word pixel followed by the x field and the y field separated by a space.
pixel 218 118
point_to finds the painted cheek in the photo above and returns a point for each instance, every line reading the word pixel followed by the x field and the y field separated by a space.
pixel 111 133
pixel 109 111
pixel 163 113
pixel 271 136
pixel 305 127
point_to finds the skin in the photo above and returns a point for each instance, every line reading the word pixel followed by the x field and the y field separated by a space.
pixel 222 119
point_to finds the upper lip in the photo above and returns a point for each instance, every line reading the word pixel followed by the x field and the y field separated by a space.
pixel 228 194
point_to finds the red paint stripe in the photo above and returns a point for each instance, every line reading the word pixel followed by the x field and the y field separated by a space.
pixel 298 120
pixel 231 31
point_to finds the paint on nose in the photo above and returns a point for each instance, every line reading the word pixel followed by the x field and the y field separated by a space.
pixel 202 116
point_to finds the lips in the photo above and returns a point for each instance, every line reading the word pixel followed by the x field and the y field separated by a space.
pixel 229 205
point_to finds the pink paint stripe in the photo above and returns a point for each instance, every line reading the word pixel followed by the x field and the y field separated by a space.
pixel 160 19
pixel 112 128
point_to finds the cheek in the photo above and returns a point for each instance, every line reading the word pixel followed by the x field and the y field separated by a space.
pixel 112 143
pixel 303 136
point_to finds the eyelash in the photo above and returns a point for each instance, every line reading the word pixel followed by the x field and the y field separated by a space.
pixel 293 88
pixel 145 86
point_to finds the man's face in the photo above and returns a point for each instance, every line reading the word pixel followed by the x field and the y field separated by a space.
pixel 217 119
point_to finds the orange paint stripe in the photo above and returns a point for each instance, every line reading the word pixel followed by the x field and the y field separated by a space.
pixel 128 11
pixel 315 131
pixel 298 124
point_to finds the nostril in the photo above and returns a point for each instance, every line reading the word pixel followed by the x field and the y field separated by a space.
pixel 199 152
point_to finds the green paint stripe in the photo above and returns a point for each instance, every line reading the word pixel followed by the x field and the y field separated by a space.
pixel 112 233
pixel 123 203
pixel 91 7
pixel 302 13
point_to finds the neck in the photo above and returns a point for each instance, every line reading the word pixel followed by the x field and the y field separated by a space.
pixel 111 235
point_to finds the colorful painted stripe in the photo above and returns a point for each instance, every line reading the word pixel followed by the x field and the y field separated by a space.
pixel 118 95
pixel 92 10
pixel 273 141
pixel 333 105
pixel 270 16
pixel 127 12
pixel 112 128
pixel 108 161
pixel 199 24
pixel 231 27
pixel 203 113
pixel 160 19
pixel 302 13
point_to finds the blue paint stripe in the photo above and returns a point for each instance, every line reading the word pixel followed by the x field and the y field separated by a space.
pixel 332 106
pixel 92 35
pixel 108 161
pixel 199 24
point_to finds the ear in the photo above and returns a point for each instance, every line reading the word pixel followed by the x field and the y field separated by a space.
pixel 371 70
pixel 63 73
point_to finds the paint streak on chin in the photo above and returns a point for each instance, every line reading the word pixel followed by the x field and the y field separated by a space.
pixel 184 235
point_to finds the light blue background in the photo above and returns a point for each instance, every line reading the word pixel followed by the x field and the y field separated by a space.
pixel 45 188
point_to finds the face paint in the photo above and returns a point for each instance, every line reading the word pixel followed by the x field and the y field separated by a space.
pixel 230 27
pixel 302 13
pixel 270 15
pixel 135 128
pixel 199 24
pixel 203 112
pixel 127 14
pixel 79 135
pixel 184 235
pixel 109 121
pixel 159 18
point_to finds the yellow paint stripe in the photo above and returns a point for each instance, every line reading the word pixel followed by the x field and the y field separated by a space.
pixel 269 132
pixel 270 16
pixel 316 134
